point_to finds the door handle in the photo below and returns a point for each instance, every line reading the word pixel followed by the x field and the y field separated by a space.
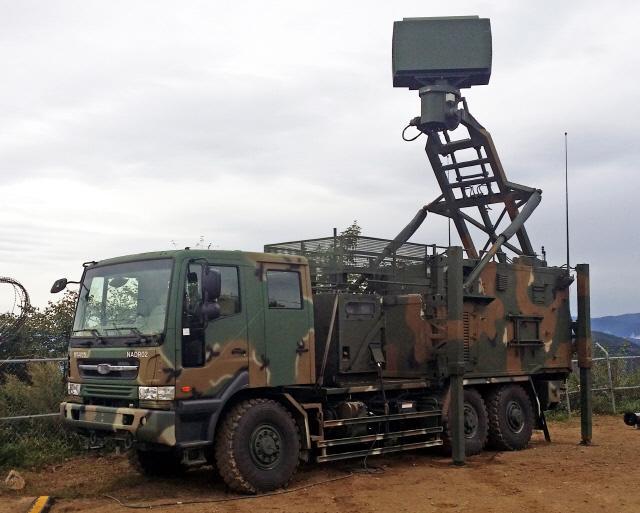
pixel 238 351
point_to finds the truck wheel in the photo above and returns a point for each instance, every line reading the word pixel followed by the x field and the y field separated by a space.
pixel 476 424
pixel 510 418
pixel 257 446
pixel 157 463
pixel 210 456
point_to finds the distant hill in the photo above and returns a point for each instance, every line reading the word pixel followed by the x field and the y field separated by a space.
pixel 626 325
pixel 616 346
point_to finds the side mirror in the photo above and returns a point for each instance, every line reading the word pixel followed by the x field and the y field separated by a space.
pixel 209 311
pixel 118 282
pixel 59 285
pixel 211 284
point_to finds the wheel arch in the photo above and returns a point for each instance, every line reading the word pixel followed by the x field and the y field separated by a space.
pixel 283 398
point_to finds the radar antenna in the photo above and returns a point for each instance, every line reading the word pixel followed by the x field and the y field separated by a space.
pixel 468 169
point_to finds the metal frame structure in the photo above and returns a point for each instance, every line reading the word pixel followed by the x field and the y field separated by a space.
pixel 15 320
pixel 476 182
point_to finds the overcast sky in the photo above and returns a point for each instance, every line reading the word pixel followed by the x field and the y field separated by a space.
pixel 127 125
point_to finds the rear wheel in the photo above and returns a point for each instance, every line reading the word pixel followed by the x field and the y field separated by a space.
pixel 511 418
pixel 157 463
pixel 476 424
pixel 257 446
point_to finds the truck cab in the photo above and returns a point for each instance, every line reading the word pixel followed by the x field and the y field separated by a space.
pixel 162 340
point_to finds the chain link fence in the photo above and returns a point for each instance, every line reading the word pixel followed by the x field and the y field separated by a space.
pixel 19 376
pixel 616 383
pixel 31 433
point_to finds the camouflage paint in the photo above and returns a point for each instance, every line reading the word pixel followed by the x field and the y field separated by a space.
pixel 414 329
pixel 155 426
pixel 524 296
pixel 276 347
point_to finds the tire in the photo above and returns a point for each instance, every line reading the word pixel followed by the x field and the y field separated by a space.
pixel 157 463
pixel 511 418
pixel 257 446
pixel 210 456
pixel 476 424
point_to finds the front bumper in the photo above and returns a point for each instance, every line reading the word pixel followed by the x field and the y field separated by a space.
pixel 151 426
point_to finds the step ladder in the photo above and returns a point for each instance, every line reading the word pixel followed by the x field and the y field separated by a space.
pixel 384 434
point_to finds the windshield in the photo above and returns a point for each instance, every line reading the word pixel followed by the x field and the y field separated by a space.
pixel 122 300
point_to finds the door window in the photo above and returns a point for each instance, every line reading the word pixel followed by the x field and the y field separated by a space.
pixel 229 299
pixel 284 290
pixel 196 338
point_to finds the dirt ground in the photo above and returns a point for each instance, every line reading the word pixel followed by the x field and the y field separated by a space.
pixel 557 477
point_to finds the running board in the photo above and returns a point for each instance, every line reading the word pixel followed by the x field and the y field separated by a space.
pixel 379 450
pixel 379 436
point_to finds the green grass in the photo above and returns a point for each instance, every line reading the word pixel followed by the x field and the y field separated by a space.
pixel 33 442
pixel 558 415
pixel 36 442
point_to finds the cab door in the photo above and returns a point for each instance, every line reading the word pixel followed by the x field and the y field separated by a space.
pixel 289 336
pixel 212 357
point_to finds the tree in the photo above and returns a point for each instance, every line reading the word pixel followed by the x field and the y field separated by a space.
pixel 348 242
pixel 45 332
pixel 328 262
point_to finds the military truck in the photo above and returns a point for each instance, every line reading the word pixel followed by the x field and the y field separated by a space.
pixel 344 346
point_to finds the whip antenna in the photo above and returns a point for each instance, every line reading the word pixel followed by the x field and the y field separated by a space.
pixel 566 196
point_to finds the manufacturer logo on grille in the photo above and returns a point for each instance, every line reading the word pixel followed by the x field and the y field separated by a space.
pixel 104 368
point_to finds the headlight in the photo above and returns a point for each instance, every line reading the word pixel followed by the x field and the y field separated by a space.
pixel 147 392
pixel 166 393
pixel 157 393
pixel 73 388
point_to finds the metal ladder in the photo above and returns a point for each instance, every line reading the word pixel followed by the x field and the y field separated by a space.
pixel 475 183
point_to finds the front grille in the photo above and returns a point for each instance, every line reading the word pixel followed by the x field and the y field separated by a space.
pixel 110 391
pixel 112 403
pixel 112 368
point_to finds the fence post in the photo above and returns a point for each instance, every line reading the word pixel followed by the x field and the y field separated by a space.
pixel 610 377
pixel 583 346
pixel 566 395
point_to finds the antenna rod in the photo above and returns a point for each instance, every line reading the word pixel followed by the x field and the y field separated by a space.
pixel 449 217
pixel 566 194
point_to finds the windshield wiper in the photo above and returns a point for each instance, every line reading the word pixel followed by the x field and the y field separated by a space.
pixel 94 333
pixel 142 338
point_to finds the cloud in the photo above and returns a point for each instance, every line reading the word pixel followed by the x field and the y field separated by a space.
pixel 125 125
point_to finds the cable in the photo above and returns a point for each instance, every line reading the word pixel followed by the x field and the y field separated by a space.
pixel 364 469
pixel 226 499
pixel 367 469
pixel 412 139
